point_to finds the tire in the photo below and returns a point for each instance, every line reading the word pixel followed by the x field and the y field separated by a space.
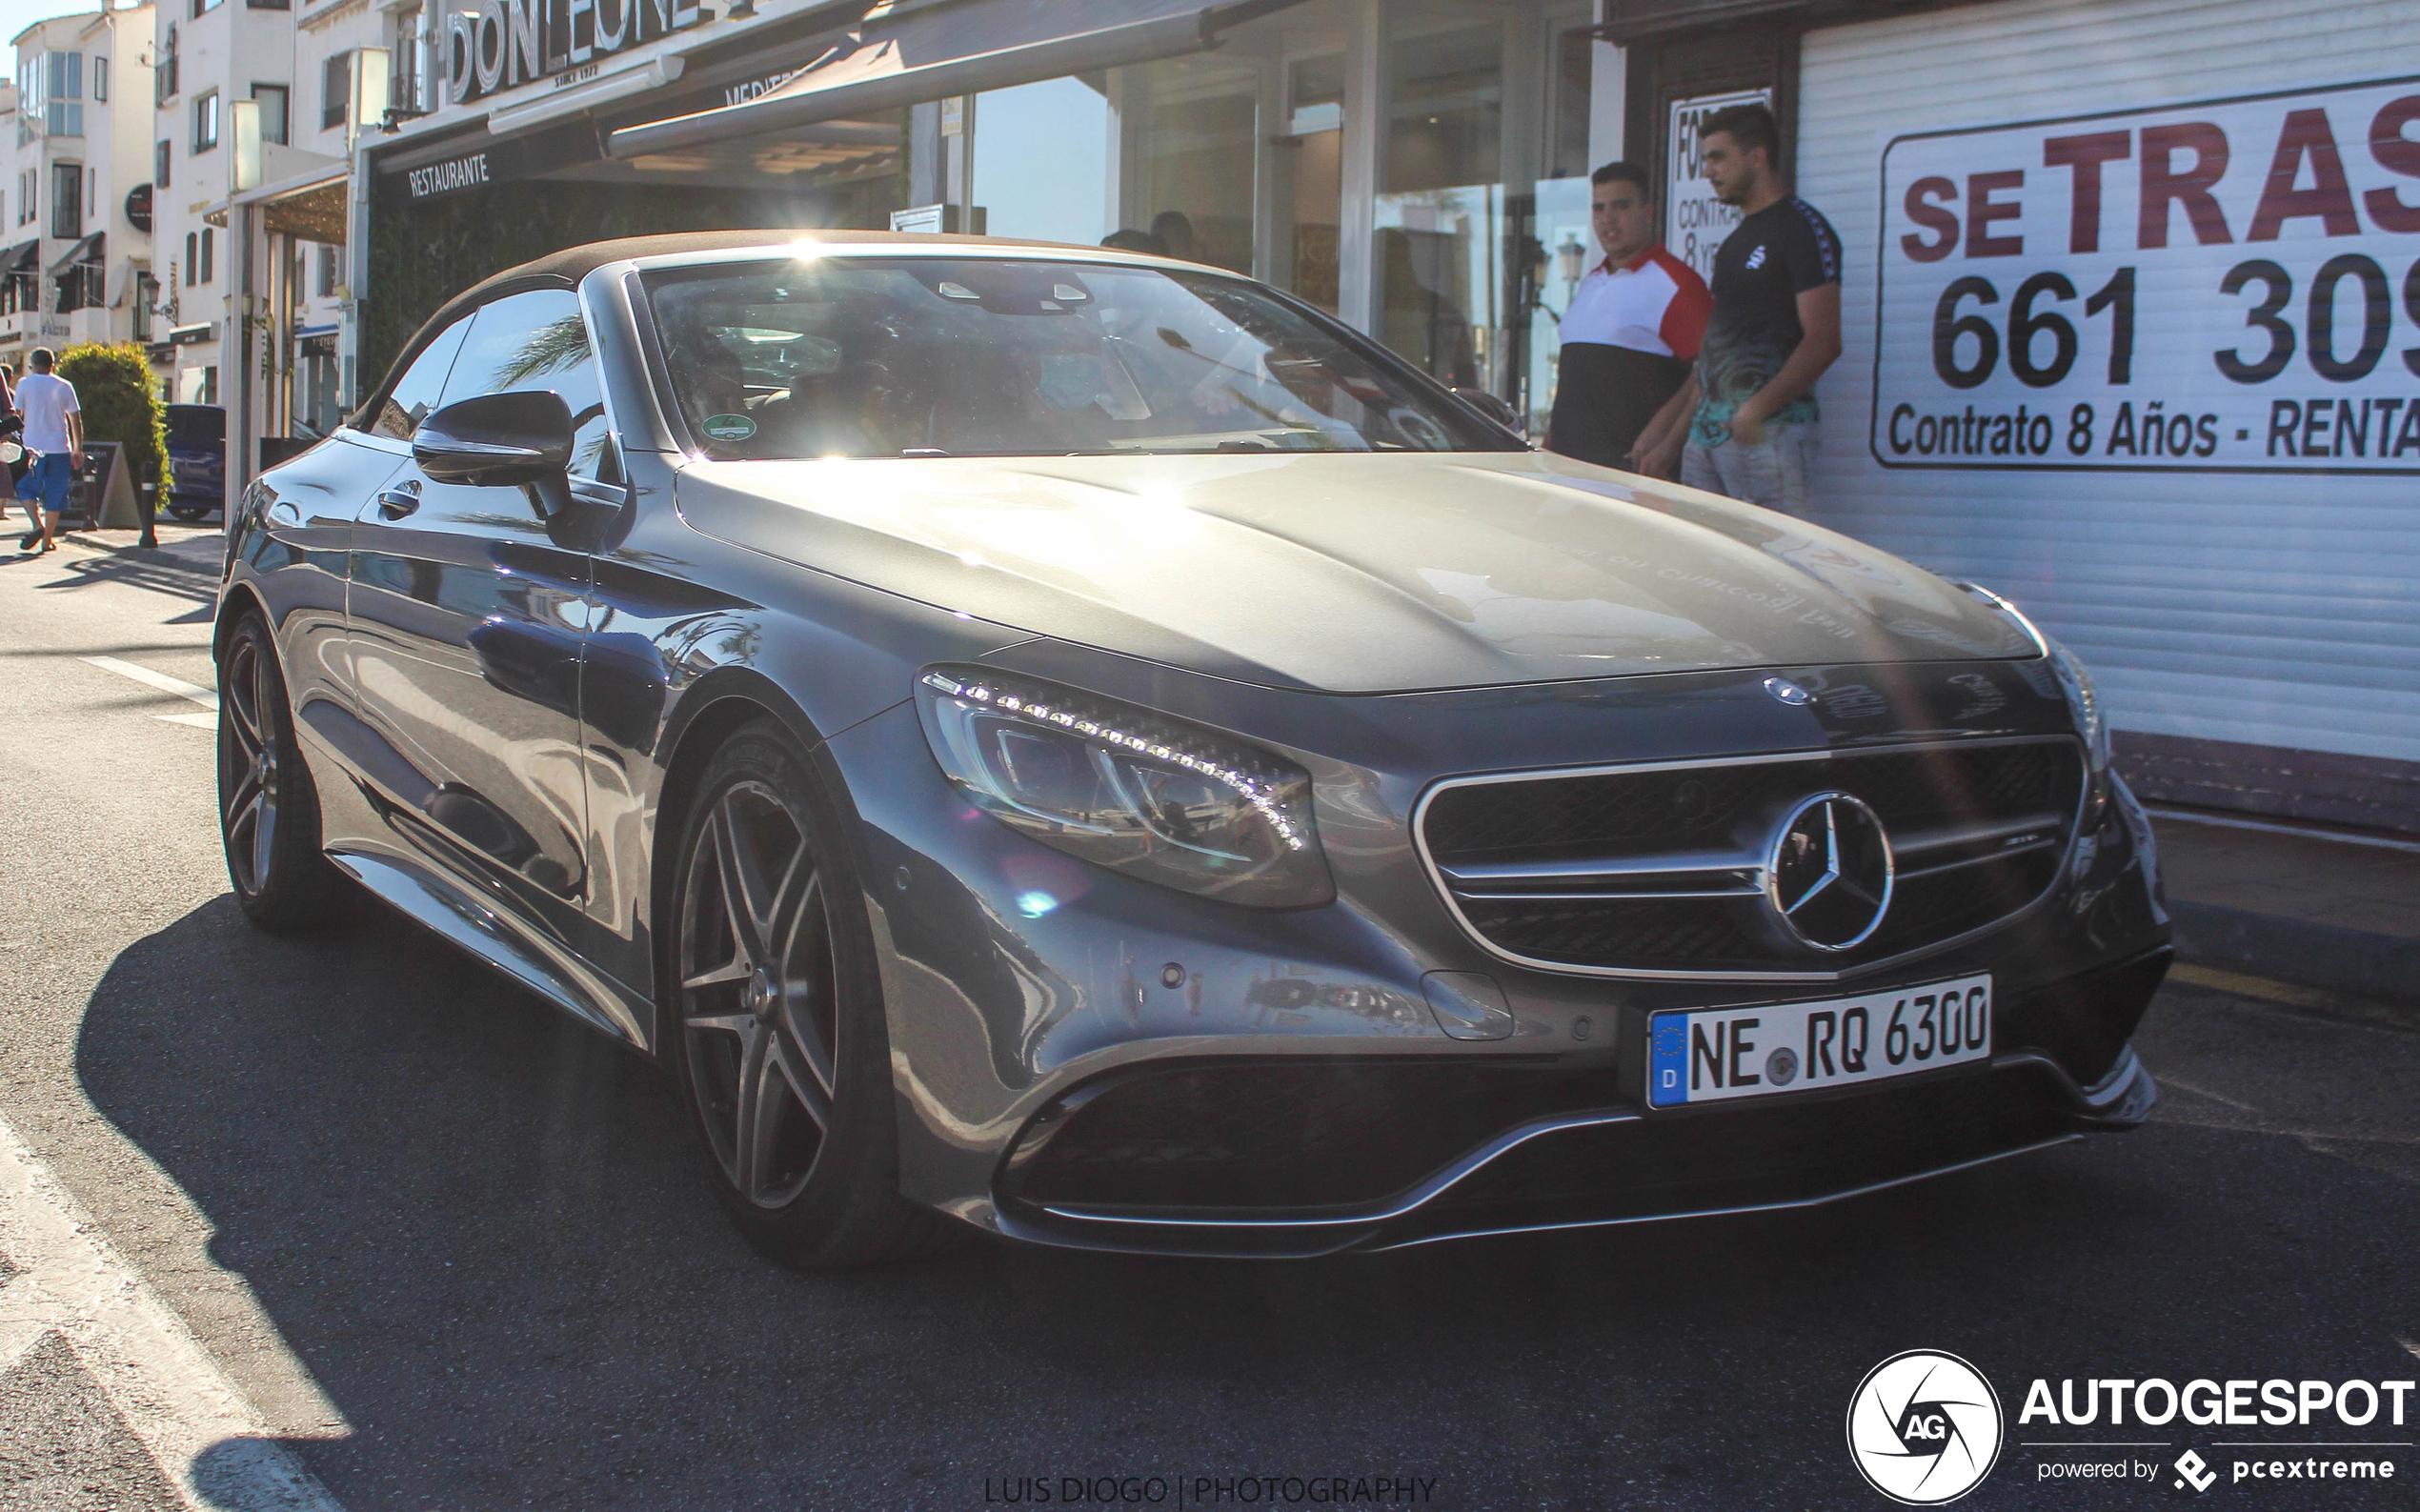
pixel 773 1020
pixel 268 810
pixel 189 513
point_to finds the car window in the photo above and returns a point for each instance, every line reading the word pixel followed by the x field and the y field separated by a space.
pixel 422 386
pixel 871 357
pixel 536 341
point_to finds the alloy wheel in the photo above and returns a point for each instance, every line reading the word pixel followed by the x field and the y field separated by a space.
pixel 758 992
pixel 248 694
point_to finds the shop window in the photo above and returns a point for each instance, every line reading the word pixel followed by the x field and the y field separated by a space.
pixel 1441 216
pixel 535 341
pixel 1196 156
pixel 422 386
pixel 1315 167
pixel 161 155
pixel 272 99
pixel 205 121
pixel 335 91
pixel 1041 157
pixel 66 200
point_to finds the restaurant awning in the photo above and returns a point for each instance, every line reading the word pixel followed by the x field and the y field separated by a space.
pixel 89 249
pixel 904 53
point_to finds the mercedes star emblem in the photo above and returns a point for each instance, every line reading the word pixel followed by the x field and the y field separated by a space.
pixel 1828 873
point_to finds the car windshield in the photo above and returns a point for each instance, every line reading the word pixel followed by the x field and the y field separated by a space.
pixel 863 358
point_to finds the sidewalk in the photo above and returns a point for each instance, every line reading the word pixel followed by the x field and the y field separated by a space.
pixel 2308 906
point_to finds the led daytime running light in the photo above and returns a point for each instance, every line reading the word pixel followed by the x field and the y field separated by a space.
pixel 1256 794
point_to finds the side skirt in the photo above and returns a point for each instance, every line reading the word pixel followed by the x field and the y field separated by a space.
pixel 490 936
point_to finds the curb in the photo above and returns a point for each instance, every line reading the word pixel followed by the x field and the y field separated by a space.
pixel 2383 967
pixel 157 556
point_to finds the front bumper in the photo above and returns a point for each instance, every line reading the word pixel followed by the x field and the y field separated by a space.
pixel 1283 1160
pixel 1024 990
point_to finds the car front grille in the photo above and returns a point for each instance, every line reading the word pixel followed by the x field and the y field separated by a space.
pixel 1662 871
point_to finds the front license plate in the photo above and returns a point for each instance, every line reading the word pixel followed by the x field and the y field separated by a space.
pixel 1717 1052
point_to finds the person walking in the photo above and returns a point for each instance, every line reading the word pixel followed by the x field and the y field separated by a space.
pixel 54 431
pixel 12 427
pixel 1631 331
pixel 1746 424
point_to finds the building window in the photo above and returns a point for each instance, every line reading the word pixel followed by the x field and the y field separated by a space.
pixel 336 91
pixel 208 235
pixel 101 80
pixel 51 95
pixel 192 264
pixel 328 257
pixel 411 63
pixel 272 98
pixel 161 154
pixel 206 121
pixel 164 70
pixel 66 200
pixel 146 293
pixel 27 187
pixel 269 5
pixel 203 7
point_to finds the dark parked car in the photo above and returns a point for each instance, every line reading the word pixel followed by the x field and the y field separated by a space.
pixel 197 460
pixel 1085 747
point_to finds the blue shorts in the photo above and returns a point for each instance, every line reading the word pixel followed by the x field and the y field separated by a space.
pixel 47 480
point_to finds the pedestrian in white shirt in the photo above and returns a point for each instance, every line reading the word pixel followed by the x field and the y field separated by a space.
pixel 53 430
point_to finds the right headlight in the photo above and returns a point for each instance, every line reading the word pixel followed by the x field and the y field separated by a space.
pixel 2083 701
pixel 1127 788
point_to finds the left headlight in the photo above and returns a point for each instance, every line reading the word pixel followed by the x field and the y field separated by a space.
pixel 1127 788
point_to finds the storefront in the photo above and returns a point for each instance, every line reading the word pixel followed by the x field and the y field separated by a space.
pixel 1419 166
pixel 2132 321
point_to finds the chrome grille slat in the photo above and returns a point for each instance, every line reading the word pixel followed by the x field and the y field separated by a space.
pixel 1658 870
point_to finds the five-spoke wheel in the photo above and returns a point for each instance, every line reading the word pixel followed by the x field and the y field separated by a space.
pixel 773 1015
pixel 268 810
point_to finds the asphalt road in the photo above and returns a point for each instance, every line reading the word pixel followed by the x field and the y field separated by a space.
pixel 454 1251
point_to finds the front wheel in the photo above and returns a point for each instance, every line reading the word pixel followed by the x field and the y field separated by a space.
pixel 268 810
pixel 775 1026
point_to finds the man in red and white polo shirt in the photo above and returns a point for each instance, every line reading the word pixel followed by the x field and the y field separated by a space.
pixel 1632 331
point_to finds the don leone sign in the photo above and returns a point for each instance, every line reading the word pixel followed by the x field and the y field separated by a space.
pixel 2232 286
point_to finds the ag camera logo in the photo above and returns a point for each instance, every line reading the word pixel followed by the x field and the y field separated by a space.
pixel 1924 1428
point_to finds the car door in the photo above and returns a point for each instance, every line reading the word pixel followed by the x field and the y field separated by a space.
pixel 466 616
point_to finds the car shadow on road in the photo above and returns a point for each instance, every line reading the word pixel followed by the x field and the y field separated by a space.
pixel 484 1231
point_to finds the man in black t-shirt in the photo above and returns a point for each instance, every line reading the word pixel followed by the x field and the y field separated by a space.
pixel 1746 424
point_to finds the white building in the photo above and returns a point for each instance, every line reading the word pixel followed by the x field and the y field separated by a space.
pixel 77 265
pixel 256 112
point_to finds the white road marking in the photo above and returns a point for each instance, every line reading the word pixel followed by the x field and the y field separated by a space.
pixel 164 684
pixel 70 1279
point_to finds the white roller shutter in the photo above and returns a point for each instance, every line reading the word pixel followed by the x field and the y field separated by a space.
pixel 2271 608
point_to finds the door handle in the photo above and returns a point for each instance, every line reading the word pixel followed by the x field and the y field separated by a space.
pixel 395 503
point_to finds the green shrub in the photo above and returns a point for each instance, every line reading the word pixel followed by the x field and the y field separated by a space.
pixel 121 403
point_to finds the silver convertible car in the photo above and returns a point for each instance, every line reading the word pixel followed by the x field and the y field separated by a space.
pixel 1088 748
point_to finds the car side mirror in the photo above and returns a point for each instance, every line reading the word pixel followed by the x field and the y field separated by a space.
pixel 1491 406
pixel 502 440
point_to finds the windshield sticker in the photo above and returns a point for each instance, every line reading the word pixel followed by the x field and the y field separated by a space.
pixel 730 427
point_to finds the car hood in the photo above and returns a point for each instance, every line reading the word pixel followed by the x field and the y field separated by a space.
pixel 1353 572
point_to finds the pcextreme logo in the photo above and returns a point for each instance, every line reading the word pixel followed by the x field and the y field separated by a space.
pixel 1924 1428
